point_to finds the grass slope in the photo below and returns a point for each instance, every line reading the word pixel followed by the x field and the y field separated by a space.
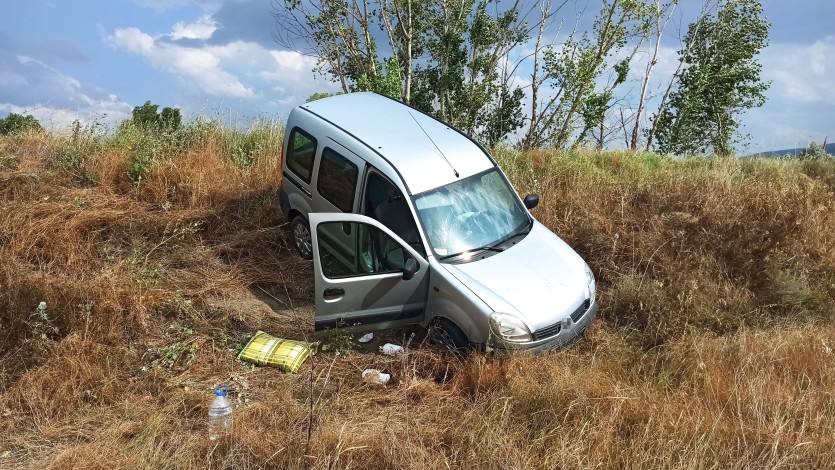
pixel 158 255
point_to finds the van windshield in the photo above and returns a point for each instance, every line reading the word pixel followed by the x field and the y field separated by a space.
pixel 477 213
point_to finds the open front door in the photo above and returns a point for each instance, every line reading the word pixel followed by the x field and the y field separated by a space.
pixel 366 277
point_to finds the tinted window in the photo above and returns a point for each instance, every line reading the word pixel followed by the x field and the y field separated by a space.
pixel 337 180
pixel 349 249
pixel 384 202
pixel 300 153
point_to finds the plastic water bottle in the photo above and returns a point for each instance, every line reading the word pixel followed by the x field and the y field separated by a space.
pixel 220 413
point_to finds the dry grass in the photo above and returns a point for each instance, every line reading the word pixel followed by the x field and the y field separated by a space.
pixel 713 348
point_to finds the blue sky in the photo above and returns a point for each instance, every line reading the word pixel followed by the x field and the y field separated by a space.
pixel 94 60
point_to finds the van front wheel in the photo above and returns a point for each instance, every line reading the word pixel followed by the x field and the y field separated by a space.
pixel 447 335
pixel 301 237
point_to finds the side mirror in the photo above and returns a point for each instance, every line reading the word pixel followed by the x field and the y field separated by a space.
pixel 531 201
pixel 346 228
pixel 410 269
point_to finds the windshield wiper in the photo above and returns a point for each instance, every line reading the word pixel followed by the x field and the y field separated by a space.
pixel 520 233
pixel 494 247
pixel 473 250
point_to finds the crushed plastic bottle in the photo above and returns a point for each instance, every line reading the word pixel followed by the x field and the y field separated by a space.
pixel 220 413
pixel 391 349
pixel 374 376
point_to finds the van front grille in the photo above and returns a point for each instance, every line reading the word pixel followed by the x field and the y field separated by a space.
pixel 547 332
pixel 553 330
pixel 581 310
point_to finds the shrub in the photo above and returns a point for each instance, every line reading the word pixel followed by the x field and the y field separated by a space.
pixel 146 116
pixel 18 124
pixel 246 148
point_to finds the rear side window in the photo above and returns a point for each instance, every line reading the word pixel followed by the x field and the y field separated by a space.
pixel 300 153
pixel 337 180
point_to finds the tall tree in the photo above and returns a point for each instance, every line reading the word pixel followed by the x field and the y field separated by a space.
pixel 577 104
pixel 720 79
pixel 339 33
pixel 446 57
pixel 661 14
pixel 463 79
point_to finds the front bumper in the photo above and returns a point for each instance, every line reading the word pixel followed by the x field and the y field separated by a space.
pixel 570 332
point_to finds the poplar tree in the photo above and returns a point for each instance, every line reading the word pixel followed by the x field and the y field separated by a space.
pixel 720 80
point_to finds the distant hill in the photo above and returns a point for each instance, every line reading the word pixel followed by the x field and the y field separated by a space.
pixel 830 149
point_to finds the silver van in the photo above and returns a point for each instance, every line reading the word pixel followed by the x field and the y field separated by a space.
pixel 409 221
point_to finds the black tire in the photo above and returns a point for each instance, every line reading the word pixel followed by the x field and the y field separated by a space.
pixel 302 239
pixel 446 334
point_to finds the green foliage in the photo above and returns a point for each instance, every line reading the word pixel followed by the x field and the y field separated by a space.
pixel 814 151
pixel 318 96
pixel 246 148
pixel 502 116
pixel 179 354
pixel 14 124
pixel 460 81
pixel 147 149
pixel 386 83
pixel 790 290
pixel 84 140
pixel 147 117
pixel 721 80
pixel 149 134
pixel 445 57
pixel 338 340
pixel 573 69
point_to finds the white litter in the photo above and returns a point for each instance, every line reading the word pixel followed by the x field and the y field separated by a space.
pixel 391 349
pixel 366 338
pixel 374 376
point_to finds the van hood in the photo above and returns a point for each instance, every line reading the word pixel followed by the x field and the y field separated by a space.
pixel 540 279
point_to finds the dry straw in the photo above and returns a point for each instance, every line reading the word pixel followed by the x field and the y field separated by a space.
pixel 712 349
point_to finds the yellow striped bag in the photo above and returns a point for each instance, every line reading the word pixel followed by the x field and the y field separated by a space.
pixel 267 350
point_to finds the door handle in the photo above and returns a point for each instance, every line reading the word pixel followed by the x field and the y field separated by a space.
pixel 333 293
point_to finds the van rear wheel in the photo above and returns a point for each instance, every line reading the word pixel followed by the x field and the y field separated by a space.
pixel 447 335
pixel 301 237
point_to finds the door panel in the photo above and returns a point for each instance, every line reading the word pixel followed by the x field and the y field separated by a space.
pixel 360 285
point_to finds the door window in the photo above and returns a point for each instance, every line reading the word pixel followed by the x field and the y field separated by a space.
pixel 384 202
pixel 337 180
pixel 348 249
pixel 300 153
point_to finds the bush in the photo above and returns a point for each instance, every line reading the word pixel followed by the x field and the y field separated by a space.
pixel 18 124
pixel 146 117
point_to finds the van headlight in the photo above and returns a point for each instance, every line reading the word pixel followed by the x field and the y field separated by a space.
pixel 509 327
pixel 590 280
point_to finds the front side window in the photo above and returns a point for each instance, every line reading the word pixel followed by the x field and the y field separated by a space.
pixel 337 180
pixel 478 212
pixel 348 249
pixel 384 202
pixel 300 153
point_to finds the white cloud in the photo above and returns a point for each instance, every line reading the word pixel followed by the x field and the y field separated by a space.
pixel 198 65
pixel 31 86
pixel 801 72
pixel 203 28
pixel 163 5
pixel 11 80
pixel 289 66
pixel 108 111
pixel 238 69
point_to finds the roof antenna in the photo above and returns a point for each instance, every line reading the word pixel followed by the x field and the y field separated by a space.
pixel 436 145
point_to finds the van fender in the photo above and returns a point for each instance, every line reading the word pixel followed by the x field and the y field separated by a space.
pixel 445 308
pixel 299 203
